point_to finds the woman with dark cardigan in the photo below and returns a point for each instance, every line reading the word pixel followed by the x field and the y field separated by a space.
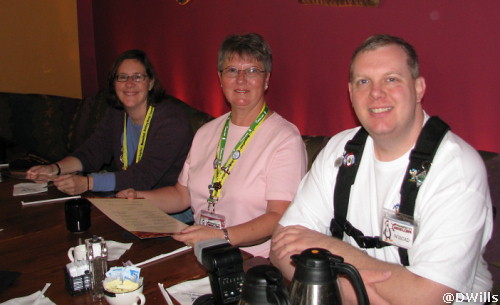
pixel 144 137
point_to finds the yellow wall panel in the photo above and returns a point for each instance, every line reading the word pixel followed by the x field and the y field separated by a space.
pixel 39 50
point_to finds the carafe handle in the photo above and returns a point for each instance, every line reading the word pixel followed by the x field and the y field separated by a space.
pixel 356 280
pixel 275 288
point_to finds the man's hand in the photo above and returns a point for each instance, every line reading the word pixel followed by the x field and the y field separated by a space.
pixel 294 239
pixel 370 278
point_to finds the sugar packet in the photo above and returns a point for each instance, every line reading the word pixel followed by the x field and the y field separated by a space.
pixel 130 273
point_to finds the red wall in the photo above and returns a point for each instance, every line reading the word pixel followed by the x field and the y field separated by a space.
pixel 458 43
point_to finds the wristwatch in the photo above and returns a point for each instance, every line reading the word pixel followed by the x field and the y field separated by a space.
pixel 226 235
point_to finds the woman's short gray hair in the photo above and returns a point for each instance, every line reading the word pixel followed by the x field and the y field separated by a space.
pixel 251 45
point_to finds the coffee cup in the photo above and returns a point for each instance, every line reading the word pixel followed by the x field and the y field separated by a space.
pixel 78 253
pixel 77 214
pixel 135 297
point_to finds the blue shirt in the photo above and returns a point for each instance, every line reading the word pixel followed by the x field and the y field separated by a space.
pixel 105 182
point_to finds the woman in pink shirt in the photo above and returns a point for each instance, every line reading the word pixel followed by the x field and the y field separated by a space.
pixel 244 167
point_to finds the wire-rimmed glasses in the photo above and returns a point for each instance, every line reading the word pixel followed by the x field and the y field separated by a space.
pixel 138 77
pixel 252 72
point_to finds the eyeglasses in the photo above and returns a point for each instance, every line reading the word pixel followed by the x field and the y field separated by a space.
pixel 134 77
pixel 251 72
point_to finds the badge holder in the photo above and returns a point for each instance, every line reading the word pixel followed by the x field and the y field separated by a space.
pixel 398 229
pixel 212 220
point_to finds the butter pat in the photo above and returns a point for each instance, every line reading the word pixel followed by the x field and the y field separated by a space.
pixel 117 286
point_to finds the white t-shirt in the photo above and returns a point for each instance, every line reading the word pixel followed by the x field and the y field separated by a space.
pixel 270 168
pixel 453 209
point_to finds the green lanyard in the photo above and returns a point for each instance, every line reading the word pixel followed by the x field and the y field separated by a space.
pixel 142 138
pixel 221 173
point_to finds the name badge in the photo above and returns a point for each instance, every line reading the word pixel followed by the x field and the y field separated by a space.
pixel 212 220
pixel 398 229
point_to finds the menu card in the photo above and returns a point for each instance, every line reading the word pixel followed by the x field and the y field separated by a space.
pixel 139 216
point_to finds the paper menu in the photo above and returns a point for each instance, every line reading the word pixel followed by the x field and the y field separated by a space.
pixel 138 216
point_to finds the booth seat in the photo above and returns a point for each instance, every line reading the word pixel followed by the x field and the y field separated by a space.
pixel 51 126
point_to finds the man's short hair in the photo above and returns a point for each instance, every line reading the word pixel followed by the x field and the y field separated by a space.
pixel 380 40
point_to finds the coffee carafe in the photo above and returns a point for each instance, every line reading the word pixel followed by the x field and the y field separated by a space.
pixel 315 279
pixel 264 285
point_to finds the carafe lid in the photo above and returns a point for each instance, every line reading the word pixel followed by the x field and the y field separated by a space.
pixel 314 266
pixel 263 285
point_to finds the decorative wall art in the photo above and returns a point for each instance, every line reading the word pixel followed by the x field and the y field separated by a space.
pixel 341 2
pixel 324 2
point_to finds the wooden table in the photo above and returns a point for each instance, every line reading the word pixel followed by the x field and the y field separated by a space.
pixel 35 241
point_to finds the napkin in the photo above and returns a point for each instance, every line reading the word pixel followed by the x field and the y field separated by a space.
pixel 187 292
pixel 116 249
pixel 29 188
pixel 29 300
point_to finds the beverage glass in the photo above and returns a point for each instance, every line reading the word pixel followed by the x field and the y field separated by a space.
pixel 77 214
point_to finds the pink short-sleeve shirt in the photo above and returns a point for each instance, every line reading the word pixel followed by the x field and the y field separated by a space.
pixel 270 168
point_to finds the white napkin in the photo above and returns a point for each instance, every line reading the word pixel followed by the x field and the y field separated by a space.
pixel 116 249
pixel 29 300
pixel 29 188
pixel 187 292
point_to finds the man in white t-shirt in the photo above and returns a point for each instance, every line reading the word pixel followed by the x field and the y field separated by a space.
pixel 452 218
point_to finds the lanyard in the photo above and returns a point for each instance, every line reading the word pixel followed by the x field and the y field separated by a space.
pixel 142 138
pixel 221 173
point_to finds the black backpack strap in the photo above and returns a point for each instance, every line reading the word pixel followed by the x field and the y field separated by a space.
pixel 348 169
pixel 366 242
pixel 420 162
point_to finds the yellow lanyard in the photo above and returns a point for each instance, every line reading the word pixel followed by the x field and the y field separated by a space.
pixel 221 173
pixel 142 139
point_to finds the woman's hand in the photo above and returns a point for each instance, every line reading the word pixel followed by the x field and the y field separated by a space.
pixel 127 193
pixel 72 184
pixel 196 233
pixel 69 165
pixel 36 172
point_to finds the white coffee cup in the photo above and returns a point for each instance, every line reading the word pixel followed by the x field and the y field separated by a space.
pixel 78 253
pixel 135 297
